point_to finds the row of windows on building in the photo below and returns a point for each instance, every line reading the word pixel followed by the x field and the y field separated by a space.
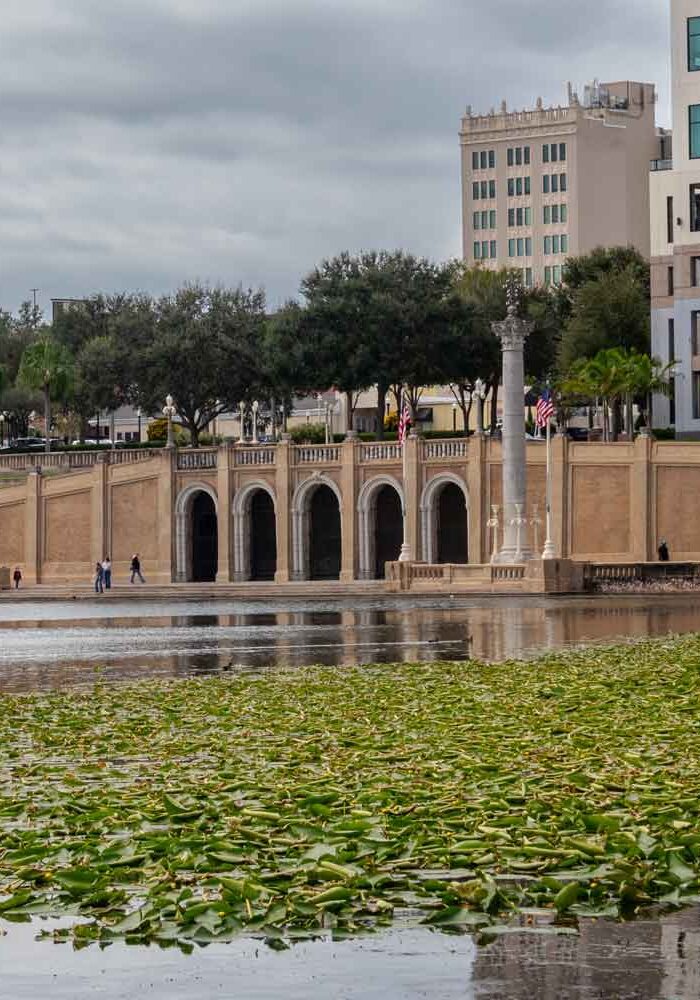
pixel 552 215
pixel 521 247
pixel 518 186
pixel 516 156
pixel 552 275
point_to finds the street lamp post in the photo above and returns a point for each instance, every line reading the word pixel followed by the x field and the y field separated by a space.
pixel 454 418
pixel 256 407
pixel 480 393
pixel 2 428
pixel 169 412
pixel 241 410
pixel 138 415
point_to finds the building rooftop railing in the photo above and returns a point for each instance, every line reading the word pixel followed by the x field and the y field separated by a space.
pixel 657 165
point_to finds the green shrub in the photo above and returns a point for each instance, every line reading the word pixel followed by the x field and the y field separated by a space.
pixel 309 434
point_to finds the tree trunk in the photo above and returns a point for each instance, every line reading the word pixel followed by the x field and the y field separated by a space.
pixel 47 418
pixel 382 390
pixel 349 402
pixel 194 433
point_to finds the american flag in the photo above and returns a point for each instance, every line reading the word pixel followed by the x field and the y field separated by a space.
pixel 545 409
pixel 404 418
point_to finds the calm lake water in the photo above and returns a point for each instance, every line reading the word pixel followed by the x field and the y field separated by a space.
pixel 47 645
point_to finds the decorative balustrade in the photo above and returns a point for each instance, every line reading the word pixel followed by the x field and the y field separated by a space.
pixel 72 460
pixel 389 451
pixel 500 574
pixel 124 456
pixel 255 456
pixel 197 461
pixel 321 454
pixel 451 449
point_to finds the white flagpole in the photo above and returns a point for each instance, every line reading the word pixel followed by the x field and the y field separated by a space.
pixel 405 555
pixel 549 550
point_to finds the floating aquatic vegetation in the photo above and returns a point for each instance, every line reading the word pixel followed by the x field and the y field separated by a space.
pixel 337 800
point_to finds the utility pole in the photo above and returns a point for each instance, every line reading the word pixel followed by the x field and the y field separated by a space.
pixel 34 291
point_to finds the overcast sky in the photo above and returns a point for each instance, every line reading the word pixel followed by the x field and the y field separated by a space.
pixel 148 142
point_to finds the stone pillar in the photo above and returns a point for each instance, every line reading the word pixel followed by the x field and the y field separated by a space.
pixel 512 333
pixel 348 520
pixel 224 517
pixel 283 457
pixel 412 483
pixel 100 514
pixel 167 497
pixel 640 501
pixel 560 494
pixel 476 484
pixel 32 529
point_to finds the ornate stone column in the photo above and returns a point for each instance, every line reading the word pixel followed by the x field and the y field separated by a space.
pixel 513 332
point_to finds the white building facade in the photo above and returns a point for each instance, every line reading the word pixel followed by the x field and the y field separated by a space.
pixel 675 232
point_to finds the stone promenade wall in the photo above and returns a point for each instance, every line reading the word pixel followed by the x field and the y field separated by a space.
pixel 612 503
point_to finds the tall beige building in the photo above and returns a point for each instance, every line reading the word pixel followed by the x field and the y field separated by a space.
pixel 543 184
pixel 675 232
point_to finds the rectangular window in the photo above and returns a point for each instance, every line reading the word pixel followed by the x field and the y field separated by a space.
pixel 554 153
pixel 511 157
pixel 521 248
pixel 528 216
pixel 696 395
pixel 492 219
pixel 475 160
pixel 477 220
pixel 477 251
pixel 493 250
pixel 555 183
pixel 695 271
pixel 484 189
pixel 548 276
pixel 672 336
pixel 511 248
pixel 483 159
pixel 528 277
pixel 693 44
pixel 492 159
pixel 562 152
pixel 519 156
pixel 555 244
pixel 669 280
pixel 475 191
pixel 695 208
pixel 565 244
pixel 511 187
pixel 527 185
pixel 484 220
pixel 511 217
pixel 526 155
pixel 547 214
pixel 555 214
pixel 519 186
pixel 492 189
pixel 485 250
pixel 556 275
pixel 562 182
pixel 519 217
pixel 545 153
pixel 563 213
pixel 694 119
pixel 547 245
pixel 694 345
pixel 545 183
pixel 528 246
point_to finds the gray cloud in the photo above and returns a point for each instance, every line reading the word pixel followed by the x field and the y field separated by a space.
pixel 146 143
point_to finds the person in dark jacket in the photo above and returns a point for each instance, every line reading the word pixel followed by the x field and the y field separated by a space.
pixel 99 578
pixel 136 568
pixel 664 554
pixel 17 577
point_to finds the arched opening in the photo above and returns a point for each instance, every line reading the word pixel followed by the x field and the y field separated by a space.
pixel 263 537
pixel 325 537
pixel 204 539
pixel 388 530
pixel 452 526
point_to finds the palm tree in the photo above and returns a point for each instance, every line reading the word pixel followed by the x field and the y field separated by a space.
pixel 46 366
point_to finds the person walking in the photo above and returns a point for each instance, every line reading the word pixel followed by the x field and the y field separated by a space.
pixel 107 572
pixel 664 554
pixel 99 578
pixel 136 568
pixel 17 577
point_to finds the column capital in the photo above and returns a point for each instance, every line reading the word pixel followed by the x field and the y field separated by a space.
pixel 513 332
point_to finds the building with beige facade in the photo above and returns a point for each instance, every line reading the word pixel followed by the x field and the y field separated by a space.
pixel 675 232
pixel 542 184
